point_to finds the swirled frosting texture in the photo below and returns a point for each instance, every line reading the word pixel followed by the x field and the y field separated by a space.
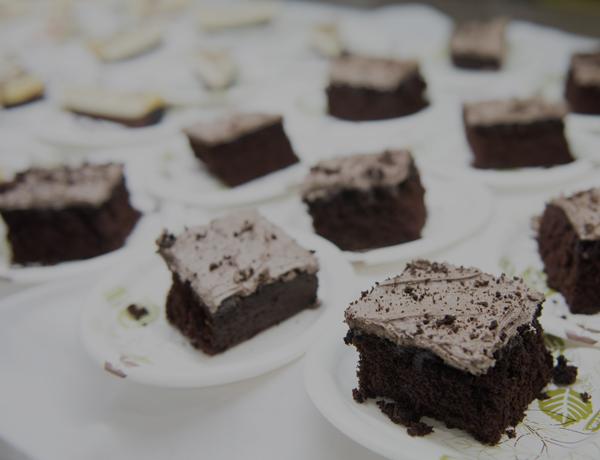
pixel 460 314
pixel 233 256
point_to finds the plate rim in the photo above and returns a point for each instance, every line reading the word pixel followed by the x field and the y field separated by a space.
pixel 273 359
pixel 148 223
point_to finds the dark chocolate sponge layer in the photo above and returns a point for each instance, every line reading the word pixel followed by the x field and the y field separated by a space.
pixel 50 236
pixel 364 104
pixel 540 143
pixel 572 265
pixel 421 383
pixel 365 219
pixel 238 318
pixel 248 157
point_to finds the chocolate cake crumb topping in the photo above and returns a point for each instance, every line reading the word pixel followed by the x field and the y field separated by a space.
pixel 225 263
pixel 137 312
pixel 563 373
pixel 452 311
pixel 403 415
pixel 357 172
pixel 58 188
pixel 166 240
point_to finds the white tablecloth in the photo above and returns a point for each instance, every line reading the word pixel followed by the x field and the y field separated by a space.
pixel 55 403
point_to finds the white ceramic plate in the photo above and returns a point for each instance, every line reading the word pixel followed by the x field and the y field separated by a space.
pixel 585 139
pixel 455 211
pixel 452 158
pixel 330 376
pixel 178 175
pixel 589 123
pixel 158 354
pixel 144 233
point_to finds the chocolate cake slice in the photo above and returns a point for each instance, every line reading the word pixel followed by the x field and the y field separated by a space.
pixel 516 133
pixel 234 278
pixel 366 201
pixel 366 88
pixel 479 45
pixel 62 214
pixel 242 147
pixel 582 89
pixel 569 245
pixel 451 343
pixel 130 109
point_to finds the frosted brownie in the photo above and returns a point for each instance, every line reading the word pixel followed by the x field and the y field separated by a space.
pixel 582 89
pixel 479 44
pixel 61 214
pixel 514 133
pixel 451 343
pixel 235 277
pixel 569 244
pixel 366 201
pixel 366 88
pixel 242 147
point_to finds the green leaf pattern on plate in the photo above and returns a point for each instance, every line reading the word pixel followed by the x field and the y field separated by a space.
pixel 594 423
pixel 566 406
pixel 554 343
pixel 115 295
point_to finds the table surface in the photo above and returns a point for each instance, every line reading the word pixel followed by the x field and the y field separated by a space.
pixel 267 417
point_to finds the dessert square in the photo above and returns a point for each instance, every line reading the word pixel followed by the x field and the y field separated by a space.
pixel 366 201
pixel 516 133
pixel 569 245
pixel 17 87
pixel 451 343
pixel 582 89
pixel 366 88
pixel 127 44
pixel 234 278
pixel 134 110
pixel 62 214
pixel 242 147
pixel 479 45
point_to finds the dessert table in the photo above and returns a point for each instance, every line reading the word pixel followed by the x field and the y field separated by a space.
pixel 58 403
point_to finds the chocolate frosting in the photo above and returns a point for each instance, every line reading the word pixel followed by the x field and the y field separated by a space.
pixel 231 128
pixel 370 72
pixel 586 68
pixel 480 38
pixel 362 172
pixel 512 111
pixel 583 211
pixel 233 256
pixel 58 188
pixel 460 314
